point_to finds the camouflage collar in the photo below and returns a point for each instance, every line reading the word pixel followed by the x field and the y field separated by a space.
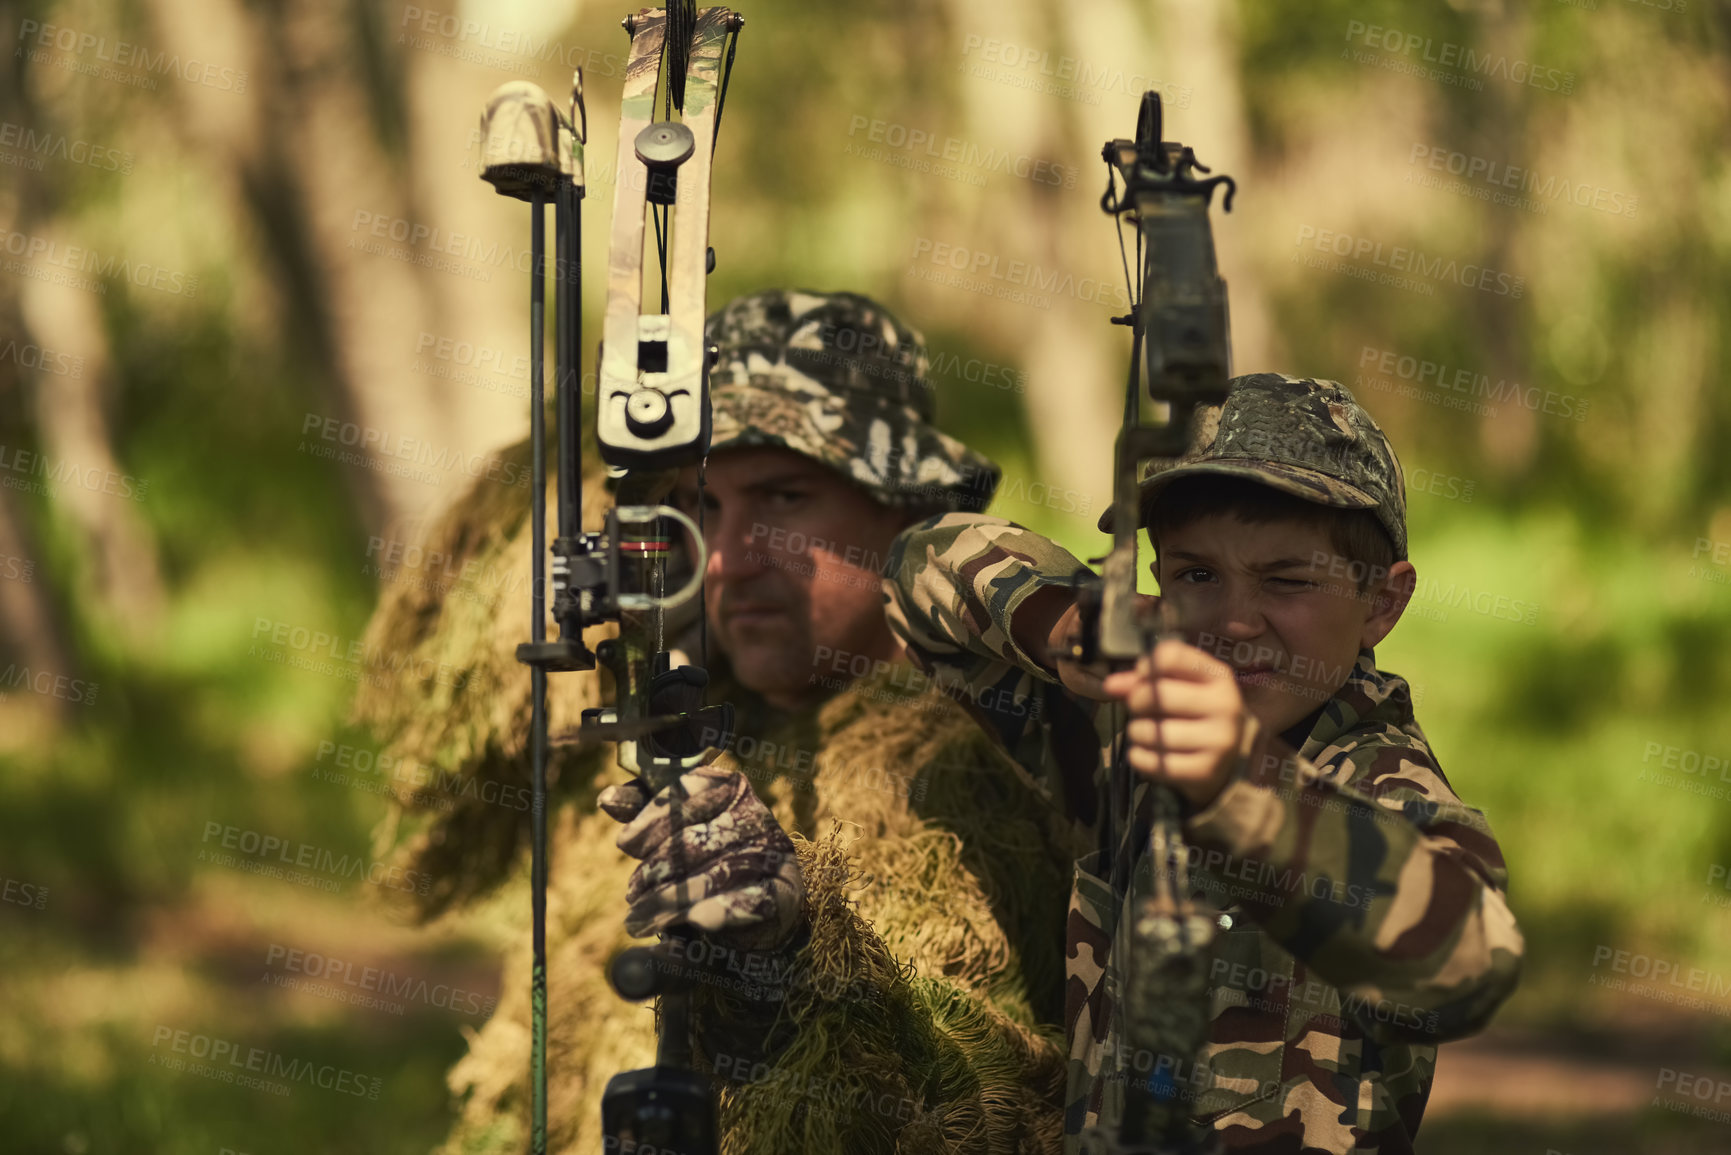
pixel 1370 697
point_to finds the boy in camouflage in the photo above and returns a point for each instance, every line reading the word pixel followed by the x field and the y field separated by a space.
pixel 1360 903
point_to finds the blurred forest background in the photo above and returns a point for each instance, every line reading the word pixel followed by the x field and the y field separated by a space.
pixel 239 238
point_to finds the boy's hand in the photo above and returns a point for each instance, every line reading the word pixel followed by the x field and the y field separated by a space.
pixel 1085 681
pixel 1187 718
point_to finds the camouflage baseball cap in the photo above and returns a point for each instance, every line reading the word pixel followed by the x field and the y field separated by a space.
pixel 838 378
pixel 1299 435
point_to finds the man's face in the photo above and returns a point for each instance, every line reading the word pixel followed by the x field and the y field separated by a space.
pixel 795 553
pixel 1277 604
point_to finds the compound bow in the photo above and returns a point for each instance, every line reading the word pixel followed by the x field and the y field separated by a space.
pixel 652 417
pixel 1179 322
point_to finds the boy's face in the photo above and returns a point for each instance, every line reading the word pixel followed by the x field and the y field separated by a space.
pixel 794 558
pixel 1277 604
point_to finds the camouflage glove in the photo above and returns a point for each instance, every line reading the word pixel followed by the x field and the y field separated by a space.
pixel 730 871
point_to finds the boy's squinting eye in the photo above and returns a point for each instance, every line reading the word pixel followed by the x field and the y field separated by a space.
pixel 1291 584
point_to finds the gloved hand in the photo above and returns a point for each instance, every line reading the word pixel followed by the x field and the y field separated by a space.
pixel 730 871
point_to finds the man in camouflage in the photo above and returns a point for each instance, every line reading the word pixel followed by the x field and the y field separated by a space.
pixel 1361 903
pixel 904 1019
pixel 878 891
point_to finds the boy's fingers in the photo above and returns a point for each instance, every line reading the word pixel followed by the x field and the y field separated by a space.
pixel 1178 735
pixel 1121 683
pixel 1169 766
pixel 1176 659
pixel 1173 697
pixel 1171 659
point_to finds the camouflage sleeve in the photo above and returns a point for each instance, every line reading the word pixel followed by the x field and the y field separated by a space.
pixel 1375 875
pixel 954 585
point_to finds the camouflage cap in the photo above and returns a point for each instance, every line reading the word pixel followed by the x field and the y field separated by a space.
pixel 1299 435
pixel 838 378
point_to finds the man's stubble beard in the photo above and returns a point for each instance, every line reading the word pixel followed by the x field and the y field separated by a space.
pixel 773 657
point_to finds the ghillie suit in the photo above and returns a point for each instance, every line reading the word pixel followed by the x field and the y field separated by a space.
pixel 919 1012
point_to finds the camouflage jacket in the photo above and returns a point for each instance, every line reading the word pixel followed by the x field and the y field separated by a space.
pixel 1361 902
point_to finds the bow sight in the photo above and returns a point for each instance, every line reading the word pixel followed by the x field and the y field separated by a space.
pixel 652 417
pixel 1179 323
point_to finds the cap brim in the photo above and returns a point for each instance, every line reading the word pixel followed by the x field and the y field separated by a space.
pixel 883 446
pixel 1299 481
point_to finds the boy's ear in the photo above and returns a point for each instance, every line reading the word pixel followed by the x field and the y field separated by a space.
pixel 1388 600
